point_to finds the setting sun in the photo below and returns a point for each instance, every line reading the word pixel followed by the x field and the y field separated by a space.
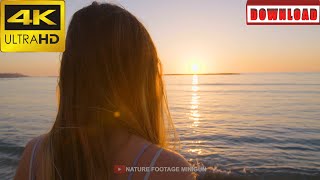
pixel 195 68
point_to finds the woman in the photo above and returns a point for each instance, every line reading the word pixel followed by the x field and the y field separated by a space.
pixel 112 105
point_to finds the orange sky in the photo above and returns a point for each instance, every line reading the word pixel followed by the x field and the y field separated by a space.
pixel 212 35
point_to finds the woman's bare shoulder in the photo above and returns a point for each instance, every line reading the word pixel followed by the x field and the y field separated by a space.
pixel 175 161
pixel 24 163
pixel 167 156
pixel 166 159
pixel 172 158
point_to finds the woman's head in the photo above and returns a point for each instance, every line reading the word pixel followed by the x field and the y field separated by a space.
pixel 111 67
pixel 110 78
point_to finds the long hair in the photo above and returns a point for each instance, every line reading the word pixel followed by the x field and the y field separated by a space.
pixel 110 78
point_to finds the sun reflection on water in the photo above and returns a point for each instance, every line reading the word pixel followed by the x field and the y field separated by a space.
pixel 194 114
pixel 194 108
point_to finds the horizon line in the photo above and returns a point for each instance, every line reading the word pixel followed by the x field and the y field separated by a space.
pixel 168 74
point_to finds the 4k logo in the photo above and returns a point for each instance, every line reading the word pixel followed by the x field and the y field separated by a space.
pixel 32 26
pixel 26 17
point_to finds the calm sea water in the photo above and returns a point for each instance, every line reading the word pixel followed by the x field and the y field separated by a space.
pixel 245 125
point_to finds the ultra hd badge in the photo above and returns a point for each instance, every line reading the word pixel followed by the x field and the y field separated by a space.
pixel 32 26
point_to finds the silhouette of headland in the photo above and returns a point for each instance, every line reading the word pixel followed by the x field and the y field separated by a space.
pixel 12 75
pixel 203 74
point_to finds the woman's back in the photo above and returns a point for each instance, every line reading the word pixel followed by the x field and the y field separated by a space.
pixel 112 106
pixel 134 152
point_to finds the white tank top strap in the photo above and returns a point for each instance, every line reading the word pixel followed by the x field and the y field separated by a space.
pixel 32 158
pixel 153 162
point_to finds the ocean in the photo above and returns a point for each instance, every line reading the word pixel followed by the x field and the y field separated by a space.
pixel 262 125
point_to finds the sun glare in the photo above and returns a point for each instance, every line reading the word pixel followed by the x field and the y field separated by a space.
pixel 195 68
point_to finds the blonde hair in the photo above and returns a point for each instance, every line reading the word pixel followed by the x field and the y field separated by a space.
pixel 110 77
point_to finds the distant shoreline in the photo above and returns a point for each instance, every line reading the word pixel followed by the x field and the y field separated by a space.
pixel 18 75
pixel 12 75
pixel 203 74
pixel 190 74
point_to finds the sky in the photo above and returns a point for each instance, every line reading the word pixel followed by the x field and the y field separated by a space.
pixel 205 36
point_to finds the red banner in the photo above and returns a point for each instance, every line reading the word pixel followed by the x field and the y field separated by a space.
pixel 284 12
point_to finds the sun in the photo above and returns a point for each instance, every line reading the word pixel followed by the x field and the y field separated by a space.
pixel 195 68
